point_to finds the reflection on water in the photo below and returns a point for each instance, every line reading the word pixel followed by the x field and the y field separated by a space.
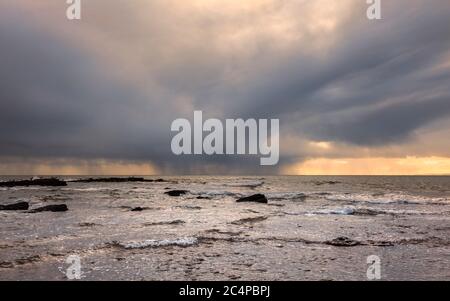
pixel 135 231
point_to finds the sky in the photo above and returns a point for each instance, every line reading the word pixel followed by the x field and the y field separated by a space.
pixel 98 95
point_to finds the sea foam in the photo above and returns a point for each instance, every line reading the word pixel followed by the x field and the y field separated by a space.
pixel 152 243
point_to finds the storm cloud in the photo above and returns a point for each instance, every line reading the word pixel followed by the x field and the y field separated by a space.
pixel 108 87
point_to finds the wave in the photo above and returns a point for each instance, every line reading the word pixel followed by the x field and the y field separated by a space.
pixel 89 189
pixel 361 212
pixel 274 196
pixel 286 196
pixel 179 242
pixel 26 188
pixel 139 190
pixel 216 193
pixel 247 184
pixel 339 211
pixel 343 211
pixel 387 199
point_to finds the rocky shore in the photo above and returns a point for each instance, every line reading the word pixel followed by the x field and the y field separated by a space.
pixel 34 182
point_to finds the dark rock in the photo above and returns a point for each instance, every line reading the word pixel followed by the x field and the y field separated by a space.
pixel 17 206
pixel 257 198
pixel 176 193
pixel 117 180
pixel 87 224
pixel 121 180
pixel 319 183
pixel 203 198
pixel 138 209
pixel 343 242
pixel 34 182
pixel 333 182
pixel 51 208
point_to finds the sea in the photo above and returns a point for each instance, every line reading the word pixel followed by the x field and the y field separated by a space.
pixel 328 228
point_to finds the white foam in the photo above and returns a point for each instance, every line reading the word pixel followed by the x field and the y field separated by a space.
pixel 338 211
pixel 391 198
pixel 90 189
pixel 341 211
pixel 214 193
pixel 181 242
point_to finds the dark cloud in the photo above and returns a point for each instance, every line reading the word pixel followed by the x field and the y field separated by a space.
pixel 375 84
pixel 58 101
pixel 389 124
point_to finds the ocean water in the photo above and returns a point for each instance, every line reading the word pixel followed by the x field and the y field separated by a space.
pixel 206 235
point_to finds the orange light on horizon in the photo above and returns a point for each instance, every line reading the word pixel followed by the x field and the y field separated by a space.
pixel 371 166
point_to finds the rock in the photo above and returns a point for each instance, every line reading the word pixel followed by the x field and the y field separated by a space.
pixel 51 208
pixel 112 180
pixel 34 182
pixel 138 209
pixel 17 206
pixel 257 198
pixel 343 242
pixel 120 180
pixel 319 183
pixel 203 198
pixel 176 193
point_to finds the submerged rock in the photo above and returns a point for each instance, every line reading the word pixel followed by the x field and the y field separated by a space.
pixel 257 198
pixel 250 220
pixel 343 242
pixel 175 222
pixel 320 183
pixel 189 207
pixel 34 182
pixel 87 224
pixel 51 208
pixel 16 206
pixel 176 193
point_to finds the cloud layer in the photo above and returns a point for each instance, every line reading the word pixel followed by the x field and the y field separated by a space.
pixel 108 87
